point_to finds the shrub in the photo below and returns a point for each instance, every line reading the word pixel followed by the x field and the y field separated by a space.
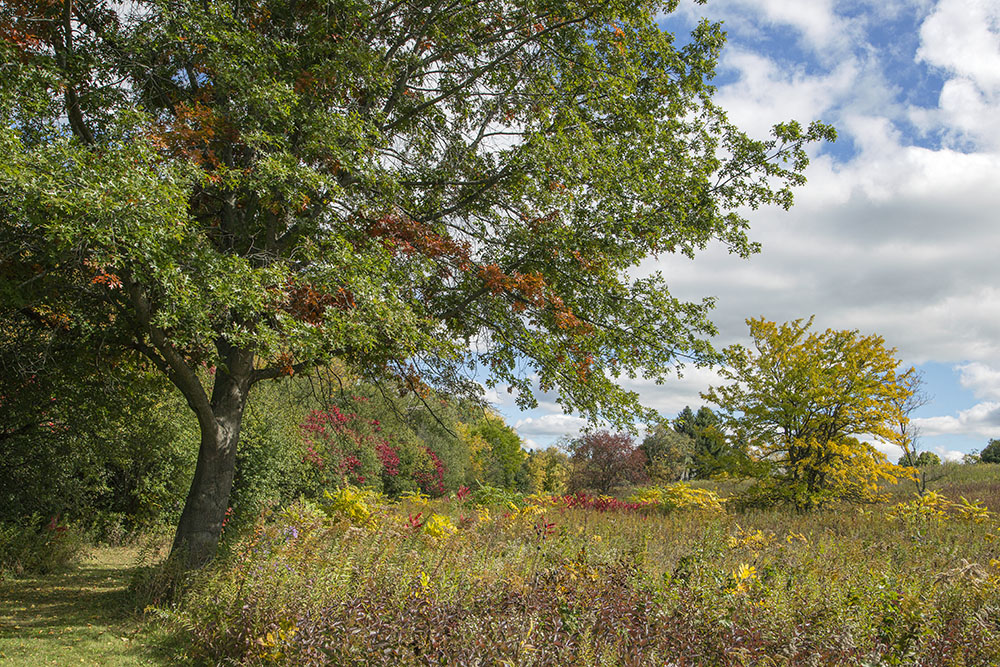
pixel 496 451
pixel 270 465
pixel 545 471
pixel 350 502
pixel 350 443
pixel 99 454
pixel 491 496
pixel 935 507
pixel 680 496
pixel 581 500
pixel 37 546
pixel 430 476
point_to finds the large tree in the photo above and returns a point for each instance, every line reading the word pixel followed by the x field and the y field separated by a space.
pixel 604 461
pixel 991 452
pixel 669 454
pixel 804 400
pixel 712 451
pixel 242 189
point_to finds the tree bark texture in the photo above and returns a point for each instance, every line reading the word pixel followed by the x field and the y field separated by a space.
pixel 200 525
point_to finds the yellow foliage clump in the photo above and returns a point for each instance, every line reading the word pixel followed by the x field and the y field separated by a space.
pixel 994 573
pixel 792 537
pixel 754 540
pixel 541 500
pixel 351 503
pixel 974 512
pixel 933 506
pixel 741 579
pixel 415 498
pixel 271 642
pixel 679 496
pixel 439 526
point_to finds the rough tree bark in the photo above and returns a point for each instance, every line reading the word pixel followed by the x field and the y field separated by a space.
pixel 200 525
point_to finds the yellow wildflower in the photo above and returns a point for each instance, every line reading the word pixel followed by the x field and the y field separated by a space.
pixel 439 526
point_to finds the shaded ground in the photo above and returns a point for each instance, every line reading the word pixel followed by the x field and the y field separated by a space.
pixel 78 617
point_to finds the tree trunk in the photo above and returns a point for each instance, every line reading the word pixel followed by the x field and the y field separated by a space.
pixel 204 511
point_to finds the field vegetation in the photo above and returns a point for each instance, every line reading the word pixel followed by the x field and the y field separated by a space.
pixel 669 572
pixel 664 576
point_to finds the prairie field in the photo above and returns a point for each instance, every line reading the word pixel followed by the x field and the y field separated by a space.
pixel 668 576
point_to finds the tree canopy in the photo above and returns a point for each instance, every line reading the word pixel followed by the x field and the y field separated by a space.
pixel 713 453
pixel 991 452
pixel 240 191
pixel 914 460
pixel 669 454
pixel 604 461
pixel 803 400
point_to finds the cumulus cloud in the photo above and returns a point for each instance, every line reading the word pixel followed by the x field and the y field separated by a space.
pixel 982 419
pixel 819 25
pixel 892 452
pixel 981 379
pixel 674 395
pixel 536 428
pixel 505 401
pixel 531 445
pixel 899 239
pixel 948 454
pixel 814 25
pixel 962 37
pixel 751 100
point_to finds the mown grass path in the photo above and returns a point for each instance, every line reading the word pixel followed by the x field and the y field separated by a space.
pixel 78 617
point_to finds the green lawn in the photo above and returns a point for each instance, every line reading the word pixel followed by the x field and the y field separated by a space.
pixel 78 617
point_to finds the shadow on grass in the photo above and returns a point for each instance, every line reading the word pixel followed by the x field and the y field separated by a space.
pixel 85 596
pixel 87 605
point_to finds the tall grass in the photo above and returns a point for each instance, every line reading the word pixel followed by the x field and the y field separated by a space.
pixel 545 581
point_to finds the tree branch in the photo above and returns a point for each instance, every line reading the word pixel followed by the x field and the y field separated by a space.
pixel 63 53
pixel 169 360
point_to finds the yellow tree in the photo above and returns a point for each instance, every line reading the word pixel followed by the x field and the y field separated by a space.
pixel 808 402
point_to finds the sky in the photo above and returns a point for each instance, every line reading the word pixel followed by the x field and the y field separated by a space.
pixel 897 231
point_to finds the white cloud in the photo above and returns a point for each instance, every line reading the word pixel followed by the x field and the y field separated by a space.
pixel 549 425
pixel 767 93
pixel 901 241
pixel 948 454
pixel 674 395
pixel 816 20
pixel 892 452
pixel 814 24
pixel 982 420
pixel 962 37
pixel 982 380
pixel 531 444
pixel 506 401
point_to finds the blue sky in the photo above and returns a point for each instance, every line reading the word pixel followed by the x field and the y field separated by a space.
pixel 897 231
